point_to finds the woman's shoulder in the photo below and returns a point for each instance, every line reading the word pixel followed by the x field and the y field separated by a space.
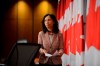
pixel 60 34
pixel 41 32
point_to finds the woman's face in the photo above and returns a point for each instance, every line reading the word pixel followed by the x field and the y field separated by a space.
pixel 48 22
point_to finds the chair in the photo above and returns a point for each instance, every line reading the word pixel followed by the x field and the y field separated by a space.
pixel 23 54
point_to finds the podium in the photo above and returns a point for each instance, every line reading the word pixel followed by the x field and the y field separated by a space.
pixel 23 54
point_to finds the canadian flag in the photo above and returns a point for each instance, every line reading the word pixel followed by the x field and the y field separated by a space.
pixel 70 18
pixel 92 51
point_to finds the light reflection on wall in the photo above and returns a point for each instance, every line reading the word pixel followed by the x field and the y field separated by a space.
pixel 24 11
pixel 44 7
pixel 24 20
pixel 27 18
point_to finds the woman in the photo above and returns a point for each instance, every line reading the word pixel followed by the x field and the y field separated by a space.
pixel 52 42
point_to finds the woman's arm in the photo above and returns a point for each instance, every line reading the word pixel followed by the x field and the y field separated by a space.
pixel 61 44
pixel 40 41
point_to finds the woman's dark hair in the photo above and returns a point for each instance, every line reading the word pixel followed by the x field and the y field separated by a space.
pixel 55 25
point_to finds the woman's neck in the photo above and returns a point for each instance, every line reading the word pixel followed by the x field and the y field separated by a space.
pixel 50 30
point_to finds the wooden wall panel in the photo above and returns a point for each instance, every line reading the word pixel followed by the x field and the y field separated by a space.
pixel 14 26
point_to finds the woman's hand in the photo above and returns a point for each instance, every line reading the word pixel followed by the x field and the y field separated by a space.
pixel 60 52
pixel 43 51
